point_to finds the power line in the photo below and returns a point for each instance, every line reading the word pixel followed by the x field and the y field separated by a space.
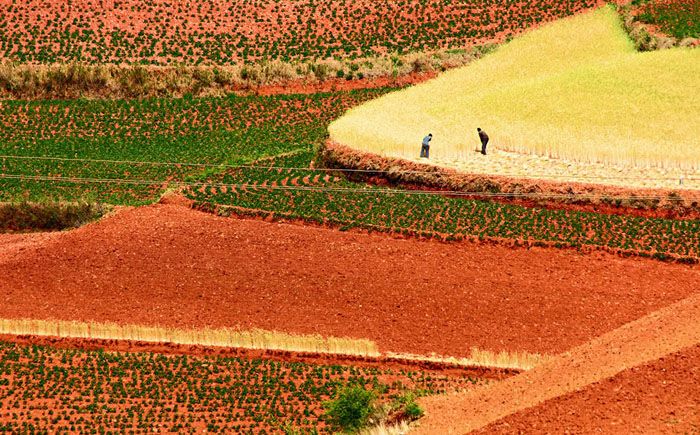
pixel 323 189
pixel 344 170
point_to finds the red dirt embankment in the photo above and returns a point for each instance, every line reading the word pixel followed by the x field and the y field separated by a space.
pixel 168 265
pixel 654 336
pixel 549 193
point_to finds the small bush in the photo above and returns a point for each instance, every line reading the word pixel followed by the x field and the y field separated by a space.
pixel 406 408
pixel 351 409
pixel 28 216
pixel 413 411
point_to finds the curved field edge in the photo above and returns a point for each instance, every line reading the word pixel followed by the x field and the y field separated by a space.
pixel 344 205
pixel 549 92
pixel 647 36
pixel 522 241
pixel 649 338
pixel 668 203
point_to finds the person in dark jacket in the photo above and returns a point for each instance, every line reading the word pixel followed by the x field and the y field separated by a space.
pixel 484 140
pixel 425 147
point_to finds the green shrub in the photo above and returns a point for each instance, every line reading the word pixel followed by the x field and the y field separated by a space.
pixel 406 407
pixel 351 409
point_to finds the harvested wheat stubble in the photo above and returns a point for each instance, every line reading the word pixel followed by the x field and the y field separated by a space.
pixel 255 339
pixel 654 336
pixel 166 265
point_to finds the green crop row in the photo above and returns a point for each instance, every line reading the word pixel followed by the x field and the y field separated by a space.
pixel 678 18
pixel 214 131
pixel 209 32
pixel 44 388
pixel 328 198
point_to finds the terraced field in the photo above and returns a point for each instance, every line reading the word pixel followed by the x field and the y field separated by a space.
pixel 426 276
pixel 147 135
pixel 124 152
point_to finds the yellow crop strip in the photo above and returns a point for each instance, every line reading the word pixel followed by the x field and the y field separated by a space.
pixel 575 89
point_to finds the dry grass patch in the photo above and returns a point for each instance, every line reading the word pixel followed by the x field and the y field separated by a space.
pixel 257 339
pixel 482 358
pixel 224 337
pixel 387 429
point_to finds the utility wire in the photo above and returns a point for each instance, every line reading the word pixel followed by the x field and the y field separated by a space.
pixel 325 189
pixel 344 170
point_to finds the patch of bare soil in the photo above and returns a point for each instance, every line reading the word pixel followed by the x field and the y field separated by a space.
pixel 335 85
pixel 659 397
pixel 168 265
pixel 640 342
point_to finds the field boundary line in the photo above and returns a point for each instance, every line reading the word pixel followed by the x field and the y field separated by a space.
pixel 312 169
pixel 653 336
pixel 262 340
pixel 384 191
pixel 224 337
pixel 527 243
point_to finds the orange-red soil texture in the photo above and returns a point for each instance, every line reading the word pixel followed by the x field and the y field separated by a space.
pixel 172 266
pixel 659 397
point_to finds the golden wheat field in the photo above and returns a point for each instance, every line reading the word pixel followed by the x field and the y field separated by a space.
pixel 574 90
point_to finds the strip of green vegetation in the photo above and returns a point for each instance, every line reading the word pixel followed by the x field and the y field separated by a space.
pixel 58 390
pixel 678 18
pixel 217 131
pixel 436 215
pixel 26 216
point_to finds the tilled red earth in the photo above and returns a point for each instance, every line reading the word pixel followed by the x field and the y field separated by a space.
pixel 171 266
pixel 659 397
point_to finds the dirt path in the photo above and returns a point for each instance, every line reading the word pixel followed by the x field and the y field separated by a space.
pixel 659 397
pixel 647 339
pixel 171 266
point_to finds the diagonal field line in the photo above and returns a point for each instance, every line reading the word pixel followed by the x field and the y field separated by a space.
pixel 644 340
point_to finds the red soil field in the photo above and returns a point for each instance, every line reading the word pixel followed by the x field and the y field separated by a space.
pixel 659 397
pixel 569 393
pixel 171 266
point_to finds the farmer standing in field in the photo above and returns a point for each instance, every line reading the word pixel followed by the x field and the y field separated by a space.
pixel 425 148
pixel 484 140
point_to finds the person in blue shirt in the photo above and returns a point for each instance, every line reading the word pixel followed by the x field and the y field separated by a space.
pixel 425 148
